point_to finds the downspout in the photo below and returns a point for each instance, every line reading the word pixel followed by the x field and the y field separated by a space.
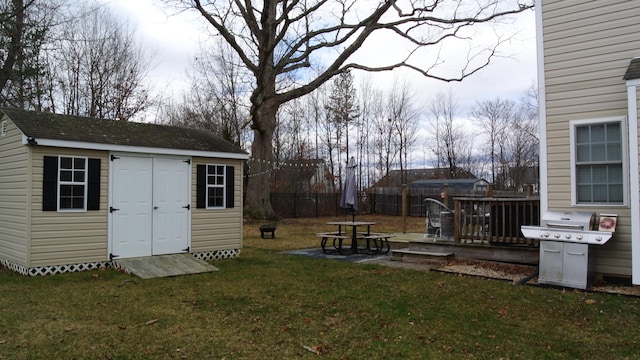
pixel 634 181
pixel 542 111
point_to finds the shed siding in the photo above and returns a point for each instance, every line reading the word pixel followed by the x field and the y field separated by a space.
pixel 13 195
pixel 73 237
pixel 587 48
pixel 219 229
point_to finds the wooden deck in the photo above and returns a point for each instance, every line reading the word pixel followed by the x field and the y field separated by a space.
pixel 415 243
pixel 164 265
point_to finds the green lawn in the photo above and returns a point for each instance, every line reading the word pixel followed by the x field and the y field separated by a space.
pixel 266 305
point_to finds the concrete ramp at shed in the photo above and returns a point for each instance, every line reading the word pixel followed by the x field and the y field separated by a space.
pixel 164 265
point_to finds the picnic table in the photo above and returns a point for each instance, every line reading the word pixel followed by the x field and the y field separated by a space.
pixel 376 243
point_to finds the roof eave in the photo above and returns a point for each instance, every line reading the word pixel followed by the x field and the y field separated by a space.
pixel 132 149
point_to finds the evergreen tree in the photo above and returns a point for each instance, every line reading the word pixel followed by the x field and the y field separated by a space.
pixel 343 106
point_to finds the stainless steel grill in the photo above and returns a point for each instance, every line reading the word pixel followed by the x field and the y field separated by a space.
pixel 575 226
pixel 564 246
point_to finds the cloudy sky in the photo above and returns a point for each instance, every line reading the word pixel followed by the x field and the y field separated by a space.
pixel 175 41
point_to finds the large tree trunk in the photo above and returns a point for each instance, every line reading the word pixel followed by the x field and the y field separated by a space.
pixel 258 200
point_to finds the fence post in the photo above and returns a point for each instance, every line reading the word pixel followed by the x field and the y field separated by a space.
pixel 405 207
pixel 295 207
pixel 373 202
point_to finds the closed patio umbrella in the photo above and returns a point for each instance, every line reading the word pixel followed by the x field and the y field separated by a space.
pixel 349 198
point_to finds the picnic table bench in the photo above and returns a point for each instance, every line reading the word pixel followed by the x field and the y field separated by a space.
pixel 376 243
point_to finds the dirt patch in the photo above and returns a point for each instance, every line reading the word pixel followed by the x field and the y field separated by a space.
pixel 489 269
pixel 499 271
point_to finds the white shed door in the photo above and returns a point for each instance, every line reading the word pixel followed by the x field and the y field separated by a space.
pixel 171 183
pixel 131 208
pixel 150 206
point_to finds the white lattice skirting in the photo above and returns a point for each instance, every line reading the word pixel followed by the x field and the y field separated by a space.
pixel 60 269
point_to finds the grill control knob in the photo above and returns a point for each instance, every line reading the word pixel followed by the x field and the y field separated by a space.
pixel 557 236
pixel 598 238
pixel 545 235
pixel 579 237
pixel 567 236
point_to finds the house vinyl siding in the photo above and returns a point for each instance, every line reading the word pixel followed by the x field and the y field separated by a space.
pixel 587 46
pixel 14 159
pixel 67 237
pixel 217 229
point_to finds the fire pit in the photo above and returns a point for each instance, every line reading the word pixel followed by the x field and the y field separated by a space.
pixel 564 246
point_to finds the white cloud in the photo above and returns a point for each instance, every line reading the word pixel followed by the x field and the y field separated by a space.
pixel 173 38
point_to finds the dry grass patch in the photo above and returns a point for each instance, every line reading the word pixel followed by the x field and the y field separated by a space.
pixel 267 305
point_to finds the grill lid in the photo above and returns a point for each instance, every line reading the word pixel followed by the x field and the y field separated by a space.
pixel 576 220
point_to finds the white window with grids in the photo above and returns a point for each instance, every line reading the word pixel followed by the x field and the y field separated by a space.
pixel 72 183
pixel 216 186
pixel 599 162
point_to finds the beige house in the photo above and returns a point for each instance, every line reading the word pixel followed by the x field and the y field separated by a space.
pixel 588 78
pixel 77 193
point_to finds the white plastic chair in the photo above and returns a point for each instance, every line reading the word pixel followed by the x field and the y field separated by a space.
pixel 433 228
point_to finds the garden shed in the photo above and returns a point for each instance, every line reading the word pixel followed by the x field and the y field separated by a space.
pixel 77 193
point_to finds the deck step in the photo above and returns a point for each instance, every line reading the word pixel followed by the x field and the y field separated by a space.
pixel 410 255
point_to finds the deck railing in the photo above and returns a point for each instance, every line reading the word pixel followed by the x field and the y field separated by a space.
pixel 495 221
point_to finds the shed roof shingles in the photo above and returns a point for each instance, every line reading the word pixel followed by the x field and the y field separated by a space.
pixel 114 132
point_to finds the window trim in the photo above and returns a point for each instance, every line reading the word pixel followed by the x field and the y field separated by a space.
pixel 573 125
pixel 216 186
pixel 201 186
pixel 61 183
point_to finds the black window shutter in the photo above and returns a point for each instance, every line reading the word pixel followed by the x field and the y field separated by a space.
pixel 93 191
pixel 50 184
pixel 201 186
pixel 229 181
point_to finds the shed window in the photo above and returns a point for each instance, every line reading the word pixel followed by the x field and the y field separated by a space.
pixel 215 186
pixel 598 169
pixel 70 183
pixel 215 189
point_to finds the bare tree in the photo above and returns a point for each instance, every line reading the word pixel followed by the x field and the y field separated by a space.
pixel 524 143
pixel 217 100
pixel 293 125
pixel 495 117
pixel 403 115
pixel 279 40
pixel 24 34
pixel 385 146
pixel 371 108
pixel 99 68
pixel 451 144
